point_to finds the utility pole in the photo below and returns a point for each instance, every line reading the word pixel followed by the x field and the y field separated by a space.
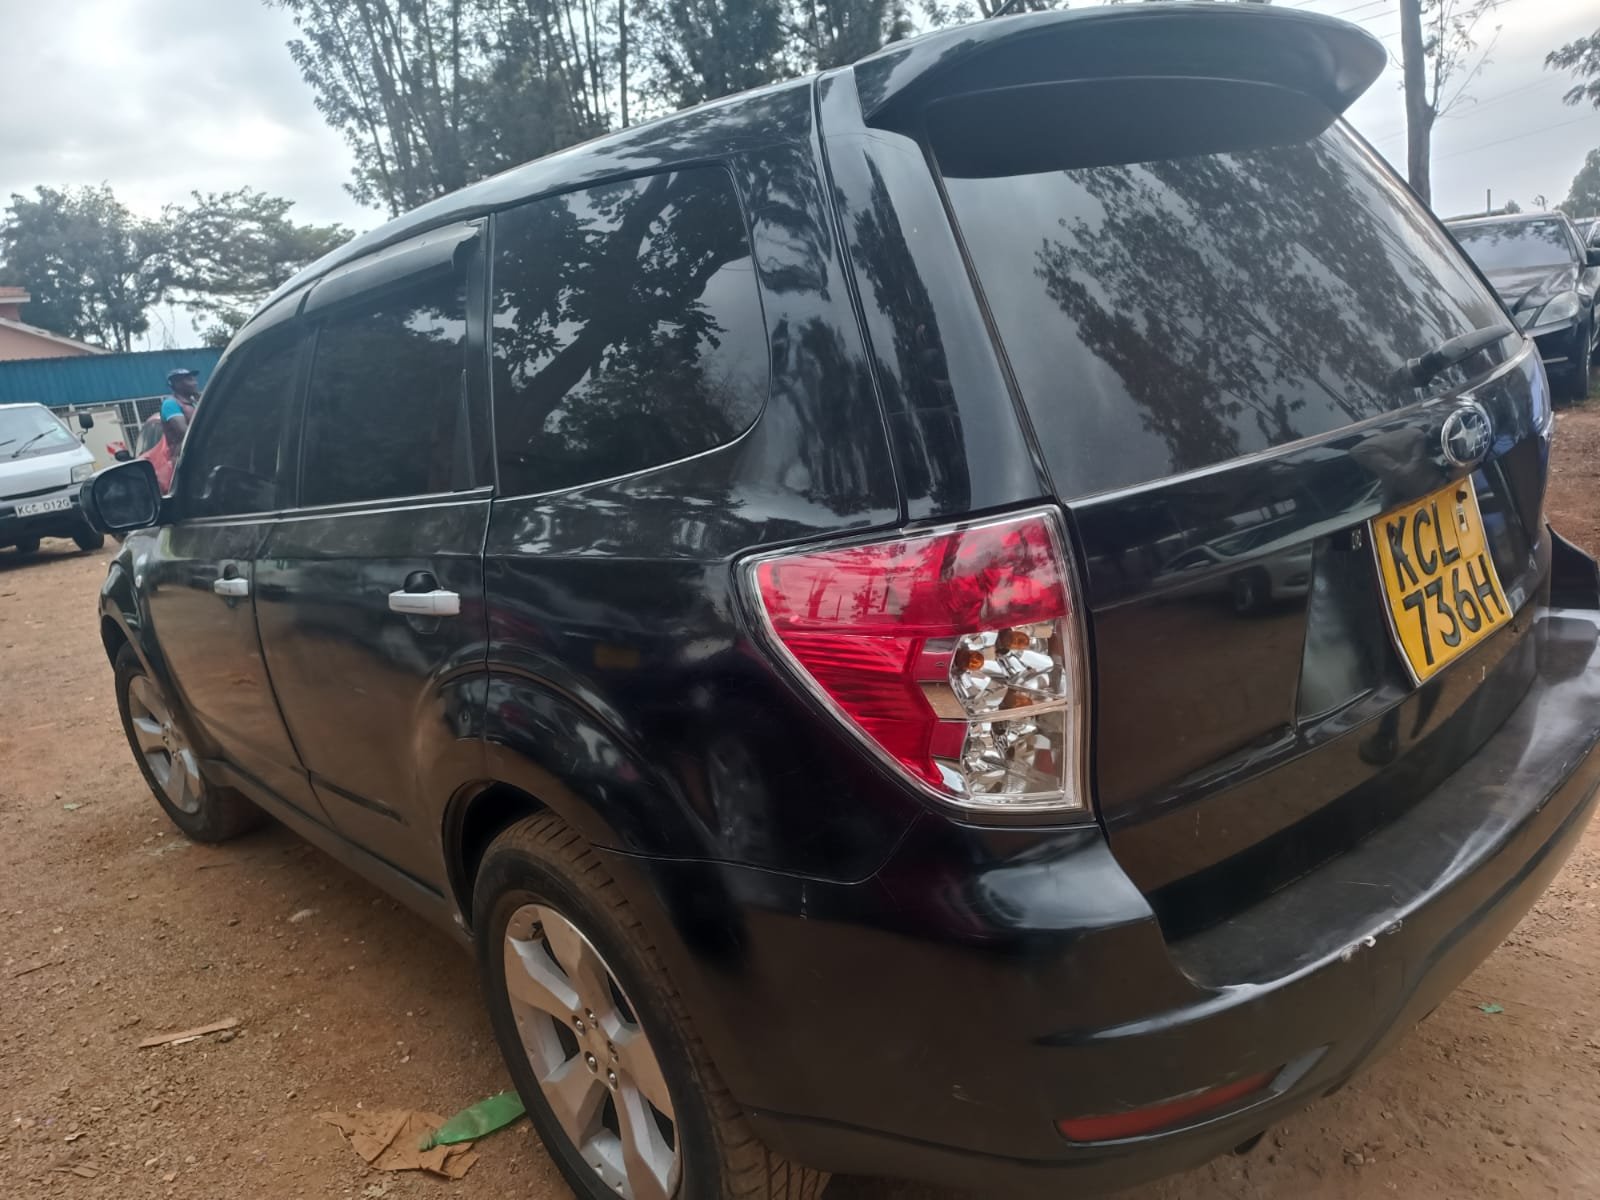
pixel 622 56
pixel 1419 113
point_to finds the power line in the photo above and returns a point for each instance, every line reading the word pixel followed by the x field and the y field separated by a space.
pixel 1516 137
pixel 1357 8
pixel 1499 96
pixel 1390 135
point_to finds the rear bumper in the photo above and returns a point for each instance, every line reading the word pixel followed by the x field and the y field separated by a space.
pixel 63 522
pixel 936 1020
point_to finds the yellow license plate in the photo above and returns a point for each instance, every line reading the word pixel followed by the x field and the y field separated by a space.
pixel 1442 592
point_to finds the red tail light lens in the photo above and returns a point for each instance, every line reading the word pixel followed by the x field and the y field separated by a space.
pixel 954 652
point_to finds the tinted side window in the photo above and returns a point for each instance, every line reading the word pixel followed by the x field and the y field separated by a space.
pixel 234 468
pixel 627 329
pixel 386 409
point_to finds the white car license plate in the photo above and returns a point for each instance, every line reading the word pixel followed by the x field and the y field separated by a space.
pixel 32 508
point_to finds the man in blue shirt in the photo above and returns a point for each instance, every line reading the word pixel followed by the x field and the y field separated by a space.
pixel 177 410
pixel 178 407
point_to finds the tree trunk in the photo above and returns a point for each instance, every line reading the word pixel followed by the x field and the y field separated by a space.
pixel 1419 111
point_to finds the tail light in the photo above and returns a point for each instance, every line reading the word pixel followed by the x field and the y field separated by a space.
pixel 954 653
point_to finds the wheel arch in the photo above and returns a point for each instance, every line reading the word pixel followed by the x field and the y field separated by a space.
pixel 113 636
pixel 120 624
pixel 474 817
pixel 511 790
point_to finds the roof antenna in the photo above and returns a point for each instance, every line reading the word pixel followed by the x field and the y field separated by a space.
pixel 1003 9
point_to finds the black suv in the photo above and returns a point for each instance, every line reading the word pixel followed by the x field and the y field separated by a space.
pixel 738 575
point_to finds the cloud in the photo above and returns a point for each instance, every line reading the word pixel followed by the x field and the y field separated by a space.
pixel 1510 133
pixel 161 97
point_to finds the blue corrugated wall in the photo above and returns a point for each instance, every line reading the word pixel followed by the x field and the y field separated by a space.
pixel 91 379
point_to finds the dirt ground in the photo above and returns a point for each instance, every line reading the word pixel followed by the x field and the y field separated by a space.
pixel 112 928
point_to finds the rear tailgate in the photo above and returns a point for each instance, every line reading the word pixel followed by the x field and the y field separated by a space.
pixel 1206 305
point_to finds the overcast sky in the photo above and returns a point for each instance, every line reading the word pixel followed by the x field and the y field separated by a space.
pixel 160 97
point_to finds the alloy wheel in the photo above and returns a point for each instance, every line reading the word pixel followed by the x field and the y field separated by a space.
pixel 161 743
pixel 592 1058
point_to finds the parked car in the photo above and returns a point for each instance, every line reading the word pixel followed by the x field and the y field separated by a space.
pixel 42 466
pixel 1548 278
pixel 725 574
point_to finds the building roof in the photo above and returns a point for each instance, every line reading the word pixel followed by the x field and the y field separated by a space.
pixel 98 378
pixel 45 334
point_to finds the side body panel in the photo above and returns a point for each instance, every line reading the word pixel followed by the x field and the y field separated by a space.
pixel 622 667
pixel 380 703
pixel 210 649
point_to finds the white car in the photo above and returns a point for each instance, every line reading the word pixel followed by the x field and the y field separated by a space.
pixel 42 466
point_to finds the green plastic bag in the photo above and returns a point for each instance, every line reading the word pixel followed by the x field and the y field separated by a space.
pixel 476 1120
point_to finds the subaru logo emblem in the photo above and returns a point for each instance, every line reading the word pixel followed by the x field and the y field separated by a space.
pixel 1467 434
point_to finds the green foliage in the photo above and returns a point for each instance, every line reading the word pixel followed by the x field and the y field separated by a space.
pixel 1583 199
pixel 702 49
pixel 433 94
pixel 1582 58
pixel 94 269
pixel 231 249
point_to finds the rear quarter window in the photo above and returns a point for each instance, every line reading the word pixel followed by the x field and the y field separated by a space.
pixel 627 329
pixel 1166 315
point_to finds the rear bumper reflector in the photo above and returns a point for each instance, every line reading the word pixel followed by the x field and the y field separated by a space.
pixel 1168 1114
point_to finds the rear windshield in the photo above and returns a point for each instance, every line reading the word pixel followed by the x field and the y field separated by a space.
pixel 1516 244
pixel 1167 315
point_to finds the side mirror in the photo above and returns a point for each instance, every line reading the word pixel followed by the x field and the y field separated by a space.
pixel 85 421
pixel 1592 256
pixel 122 498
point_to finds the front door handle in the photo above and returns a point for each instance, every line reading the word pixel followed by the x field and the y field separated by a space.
pixel 231 587
pixel 437 603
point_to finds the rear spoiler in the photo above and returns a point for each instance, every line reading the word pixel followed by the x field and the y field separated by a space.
pixel 1328 60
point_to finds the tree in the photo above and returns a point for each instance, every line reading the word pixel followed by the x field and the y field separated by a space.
pixel 837 32
pixel 702 49
pixel 1583 199
pixel 1582 58
pixel 433 94
pixel 93 269
pixel 231 249
pixel 1437 43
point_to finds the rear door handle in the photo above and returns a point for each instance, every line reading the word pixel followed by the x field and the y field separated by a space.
pixel 437 603
pixel 231 587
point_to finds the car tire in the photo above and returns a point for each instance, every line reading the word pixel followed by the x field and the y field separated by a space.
pixel 1572 385
pixel 1574 381
pixel 89 539
pixel 542 896
pixel 26 546
pixel 202 810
